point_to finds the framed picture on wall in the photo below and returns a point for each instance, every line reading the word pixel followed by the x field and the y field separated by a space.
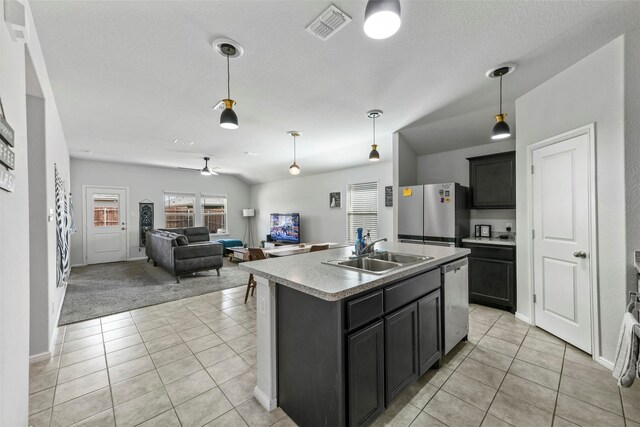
pixel 335 200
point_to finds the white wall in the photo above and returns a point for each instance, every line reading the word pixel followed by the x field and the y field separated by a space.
pixel 146 182
pixel 591 90
pixel 14 220
pixel 453 166
pixel 632 150
pixel 309 196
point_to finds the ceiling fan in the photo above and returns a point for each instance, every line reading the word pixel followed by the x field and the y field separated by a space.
pixel 206 170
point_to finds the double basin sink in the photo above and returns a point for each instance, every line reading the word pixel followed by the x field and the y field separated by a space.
pixel 379 263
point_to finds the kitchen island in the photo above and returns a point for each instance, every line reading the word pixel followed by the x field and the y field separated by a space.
pixel 336 345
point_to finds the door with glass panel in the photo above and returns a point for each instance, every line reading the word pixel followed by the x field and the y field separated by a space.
pixel 106 225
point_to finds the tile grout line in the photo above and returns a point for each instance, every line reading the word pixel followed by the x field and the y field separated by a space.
pixel 555 406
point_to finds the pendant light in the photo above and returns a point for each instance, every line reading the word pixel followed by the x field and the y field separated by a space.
pixel 228 118
pixel 382 18
pixel 501 129
pixel 294 169
pixel 206 171
pixel 374 156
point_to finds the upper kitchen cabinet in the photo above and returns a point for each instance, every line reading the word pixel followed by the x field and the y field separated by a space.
pixel 492 179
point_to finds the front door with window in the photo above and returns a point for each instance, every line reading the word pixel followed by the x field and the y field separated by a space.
pixel 561 222
pixel 106 225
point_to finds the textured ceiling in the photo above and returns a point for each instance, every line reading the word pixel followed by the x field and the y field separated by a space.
pixel 131 76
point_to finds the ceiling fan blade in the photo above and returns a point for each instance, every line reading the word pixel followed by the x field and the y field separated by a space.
pixel 189 169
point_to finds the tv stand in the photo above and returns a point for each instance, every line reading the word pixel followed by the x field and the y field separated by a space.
pixel 269 245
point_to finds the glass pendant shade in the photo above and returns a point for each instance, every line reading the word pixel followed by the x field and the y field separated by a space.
pixel 382 18
pixel 374 156
pixel 228 118
pixel 294 169
pixel 501 128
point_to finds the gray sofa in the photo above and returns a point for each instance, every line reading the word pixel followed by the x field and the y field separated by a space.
pixel 183 251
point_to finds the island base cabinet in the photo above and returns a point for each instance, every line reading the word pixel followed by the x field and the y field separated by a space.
pixel 429 327
pixel 366 374
pixel 401 350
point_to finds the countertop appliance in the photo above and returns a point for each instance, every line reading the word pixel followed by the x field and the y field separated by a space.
pixel 455 283
pixel 434 214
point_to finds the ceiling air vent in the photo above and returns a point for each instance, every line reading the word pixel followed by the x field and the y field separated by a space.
pixel 328 23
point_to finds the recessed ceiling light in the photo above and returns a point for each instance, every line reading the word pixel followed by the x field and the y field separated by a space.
pixel 183 142
pixel 250 153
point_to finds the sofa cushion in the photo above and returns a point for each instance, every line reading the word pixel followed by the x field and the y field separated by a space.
pixel 182 240
pixel 197 234
pixel 196 251
pixel 173 230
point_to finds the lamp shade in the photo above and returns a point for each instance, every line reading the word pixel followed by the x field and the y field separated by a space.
pixel 500 130
pixel 248 212
pixel 229 119
pixel 382 18
pixel 374 156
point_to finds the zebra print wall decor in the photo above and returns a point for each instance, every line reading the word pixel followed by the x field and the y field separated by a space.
pixel 63 230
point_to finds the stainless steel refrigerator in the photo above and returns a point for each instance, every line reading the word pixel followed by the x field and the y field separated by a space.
pixel 435 214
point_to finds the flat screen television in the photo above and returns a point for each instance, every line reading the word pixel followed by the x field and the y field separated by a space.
pixel 285 228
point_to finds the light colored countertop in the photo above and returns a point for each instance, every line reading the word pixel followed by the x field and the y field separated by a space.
pixel 490 241
pixel 308 274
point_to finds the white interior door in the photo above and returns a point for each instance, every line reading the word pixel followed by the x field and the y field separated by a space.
pixel 106 225
pixel 561 208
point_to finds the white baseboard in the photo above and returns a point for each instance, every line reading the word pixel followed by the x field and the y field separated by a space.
pixel 605 362
pixel 78 265
pixel 137 258
pixel 522 317
pixel 40 356
pixel 269 404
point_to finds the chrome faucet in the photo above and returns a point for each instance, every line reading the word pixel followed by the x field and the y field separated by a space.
pixel 370 248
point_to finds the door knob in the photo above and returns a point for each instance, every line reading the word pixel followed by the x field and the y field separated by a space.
pixel 580 254
pixel 123 228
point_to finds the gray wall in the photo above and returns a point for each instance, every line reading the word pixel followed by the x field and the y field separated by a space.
pixel 453 166
pixel 632 150
pixel 15 214
pixel 38 235
pixel 146 182
pixel 309 196
pixel 590 91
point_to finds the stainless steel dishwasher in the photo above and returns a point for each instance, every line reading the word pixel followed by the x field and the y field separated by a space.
pixel 455 280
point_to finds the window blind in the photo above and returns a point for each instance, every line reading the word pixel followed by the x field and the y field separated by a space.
pixel 179 210
pixel 362 209
pixel 214 213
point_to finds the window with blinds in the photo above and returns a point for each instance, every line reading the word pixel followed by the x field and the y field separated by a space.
pixel 362 209
pixel 214 213
pixel 179 210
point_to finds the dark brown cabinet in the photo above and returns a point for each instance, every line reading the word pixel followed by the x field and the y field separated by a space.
pixel 366 374
pixel 429 327
pixel 401 349
pixel 492 180
pixel 492 275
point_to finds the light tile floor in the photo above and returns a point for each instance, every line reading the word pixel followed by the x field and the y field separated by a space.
pixel 191 362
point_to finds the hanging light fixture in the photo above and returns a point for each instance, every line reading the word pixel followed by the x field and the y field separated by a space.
pixel 374 156
pixel 206 171
pixel 228 118
pixel 294 169
pixel 501 128
pixel 382 18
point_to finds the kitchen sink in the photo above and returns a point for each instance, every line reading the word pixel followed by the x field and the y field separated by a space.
pixel 368 265
pixel 404 259
pixel 378 263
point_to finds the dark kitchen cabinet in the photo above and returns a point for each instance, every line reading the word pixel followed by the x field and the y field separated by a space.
pixel 429 327
pixel 492 180
pixel 492 275
pixel 366 374
pixel 401 350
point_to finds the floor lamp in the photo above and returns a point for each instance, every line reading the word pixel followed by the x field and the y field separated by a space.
pixel 248 213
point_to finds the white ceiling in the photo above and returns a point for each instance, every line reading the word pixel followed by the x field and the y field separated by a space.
pixel 129 77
